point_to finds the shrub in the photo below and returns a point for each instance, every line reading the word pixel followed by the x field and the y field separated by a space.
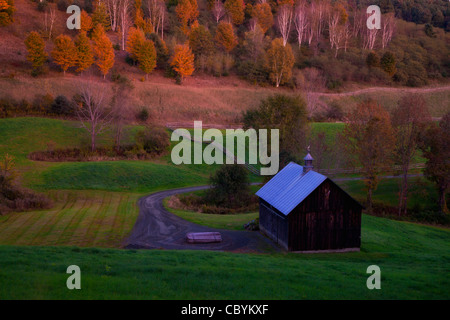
pixel 153 140
pixel 143 115
pixel 335 112
pixel 230 187
pixel 62 106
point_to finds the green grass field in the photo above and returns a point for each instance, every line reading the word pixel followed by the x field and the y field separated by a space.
pixel 95 207
pixel 414 262
pixel 79 218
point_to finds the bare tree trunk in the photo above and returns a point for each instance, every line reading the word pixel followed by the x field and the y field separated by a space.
pixel 442 201
pixel 369 200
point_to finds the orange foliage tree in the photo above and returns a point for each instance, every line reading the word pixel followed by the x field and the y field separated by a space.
pixel 103 50
pixel 135 39
pixel 225 36
pixel 262 12
pixel 183 61
pixel 85 55
pixel 187 13
pixel 64 53
pixel 85 21
pixel 236 10
pixel 6 12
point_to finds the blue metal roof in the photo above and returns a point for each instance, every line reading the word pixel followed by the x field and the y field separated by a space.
pixel 289 187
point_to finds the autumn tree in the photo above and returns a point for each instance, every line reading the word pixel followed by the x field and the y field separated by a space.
pixel 36 50
pixel 147 57
pixel 100 16
pixel 435 148
pixel 368 140
pixel 103 50
pixel 85 54
pixel 409 120
pixel 7 9
pixel 225 36
pixel 86 22
pixel 187 13
pixel 64 53
pixel 262 12
pixel 279 62
pixel 135 39
pixel 235 10
pixel 183 61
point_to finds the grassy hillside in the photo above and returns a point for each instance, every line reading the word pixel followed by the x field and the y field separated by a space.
pixel 414 262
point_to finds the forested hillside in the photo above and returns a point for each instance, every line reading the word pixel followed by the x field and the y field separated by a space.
pixel 314 45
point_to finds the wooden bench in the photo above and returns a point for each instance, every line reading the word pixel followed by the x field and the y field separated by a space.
pixel 203 237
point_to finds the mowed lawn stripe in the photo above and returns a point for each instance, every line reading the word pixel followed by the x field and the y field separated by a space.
pixel 106 221
pixel 92 221
pixel 13 228
pixel 45 225
pixel 16 227
pixel 82 226
pixel 64 222
pixel 114 236
pixel 67 237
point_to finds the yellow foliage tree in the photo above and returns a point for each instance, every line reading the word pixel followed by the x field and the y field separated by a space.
pixel 36 49
pixel 147 57
pixel 279 62
pixel 183 61
pixel 64 53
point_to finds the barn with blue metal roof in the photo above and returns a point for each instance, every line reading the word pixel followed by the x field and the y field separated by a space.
pixel 303 210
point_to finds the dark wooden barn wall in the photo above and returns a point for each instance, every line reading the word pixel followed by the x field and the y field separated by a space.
pixel 273 223
pixel 327 219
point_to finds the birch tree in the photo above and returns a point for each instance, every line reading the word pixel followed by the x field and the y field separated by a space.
pixel 284 20
pixel 300 21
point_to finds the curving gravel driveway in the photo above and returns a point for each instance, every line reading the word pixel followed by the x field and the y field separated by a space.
pixel 157 228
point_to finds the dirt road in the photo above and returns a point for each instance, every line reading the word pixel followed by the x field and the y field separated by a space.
pixel 156 228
